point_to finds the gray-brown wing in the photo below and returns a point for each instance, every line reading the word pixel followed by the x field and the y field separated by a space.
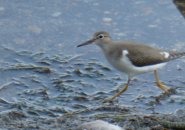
pixel 142 55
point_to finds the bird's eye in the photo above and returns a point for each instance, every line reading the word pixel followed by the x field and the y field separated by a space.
pixel 101 36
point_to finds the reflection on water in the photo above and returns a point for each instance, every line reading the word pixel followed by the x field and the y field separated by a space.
pixel 43 74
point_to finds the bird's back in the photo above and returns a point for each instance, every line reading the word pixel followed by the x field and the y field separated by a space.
pixel 142 55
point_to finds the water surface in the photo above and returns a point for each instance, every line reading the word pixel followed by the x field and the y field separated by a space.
pixel 44 75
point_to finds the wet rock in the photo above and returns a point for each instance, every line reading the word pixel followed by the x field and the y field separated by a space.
pixel 99 125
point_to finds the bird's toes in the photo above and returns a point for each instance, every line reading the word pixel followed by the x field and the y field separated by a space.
pixel 170 91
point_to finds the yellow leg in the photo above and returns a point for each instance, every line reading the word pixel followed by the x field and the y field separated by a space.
pixel 160 84
pixel 119 93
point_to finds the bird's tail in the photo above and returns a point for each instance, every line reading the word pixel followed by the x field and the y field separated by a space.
pixel 175 55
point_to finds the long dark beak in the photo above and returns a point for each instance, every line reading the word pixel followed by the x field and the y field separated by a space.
pixel 87 42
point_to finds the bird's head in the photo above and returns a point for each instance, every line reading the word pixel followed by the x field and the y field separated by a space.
pixel 100 38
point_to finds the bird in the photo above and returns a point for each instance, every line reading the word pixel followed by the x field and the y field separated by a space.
pixel 133 58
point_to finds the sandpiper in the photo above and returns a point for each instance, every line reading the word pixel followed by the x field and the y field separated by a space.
pixel 133 58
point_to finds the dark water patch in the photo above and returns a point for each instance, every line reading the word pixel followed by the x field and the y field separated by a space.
pixel 180 5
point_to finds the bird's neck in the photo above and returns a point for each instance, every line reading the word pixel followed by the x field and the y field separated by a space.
pixel 105 47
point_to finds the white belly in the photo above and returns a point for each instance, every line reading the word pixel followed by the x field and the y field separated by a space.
pixel 126 66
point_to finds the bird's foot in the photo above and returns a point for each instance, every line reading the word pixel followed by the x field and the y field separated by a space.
pixel 170 91
pixel 166 89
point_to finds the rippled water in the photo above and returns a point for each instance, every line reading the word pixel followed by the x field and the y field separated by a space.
pixel 43 74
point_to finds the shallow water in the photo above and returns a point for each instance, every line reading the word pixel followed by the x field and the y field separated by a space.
pixel 44 75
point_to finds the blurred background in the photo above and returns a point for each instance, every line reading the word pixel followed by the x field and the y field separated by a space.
pixel 44 75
